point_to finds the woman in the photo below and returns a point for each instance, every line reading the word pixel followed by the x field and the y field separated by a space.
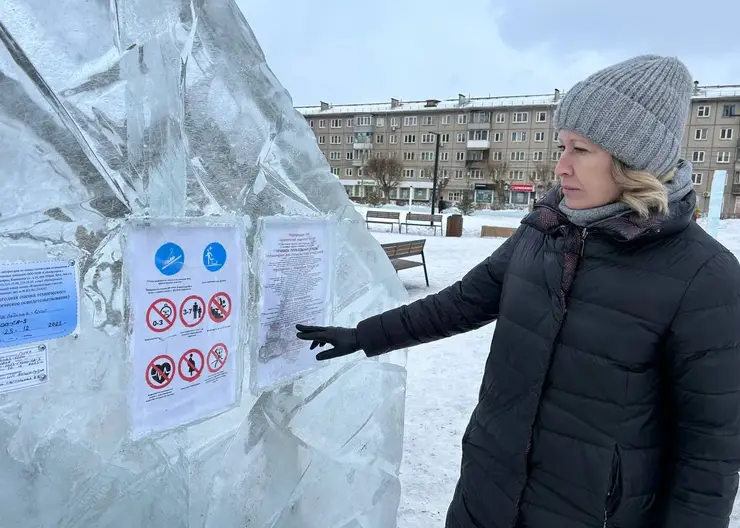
pixel 611 395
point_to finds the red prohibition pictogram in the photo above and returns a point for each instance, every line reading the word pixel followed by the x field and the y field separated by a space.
pixel 161 316
pixel 217 357
pixel 191 365
pixel 159 375
pixel 192 311
pixel 219 307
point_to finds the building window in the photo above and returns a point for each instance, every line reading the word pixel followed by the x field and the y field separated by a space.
pixel 350 155
pixel 521 117
pixel 725 133
pixel 380 121
pixel 697 156
pixel 335 171
pixel 703 111
pixel 458 174
pixel 445 139
pixel 349 122
pixel 518 137
pixel 461 137
pixel 476 174
pixel 427 120
pixel 427 138
pixel 476 155
pixel 478 135
pixel 481 117
pixel 336 123
pixel 444 156
pixel 556 155
pixel 348 172
pixel 350 139
pixel 336 140
pixel 322 140
pixel 379 138
pixel 501 117
pixel 409 121
pixel 363 121
pixel 539 137
pixel 728 110
pixel 322 123
pixel 409 138
pixel 310 123
pixel 518 156
pixel 537 156
pixel 408 156
pixel 427 156
pixel 394 121
pixel 393 139
pixel 361 171
pixel 555 137
pixel 498 137
pixel 497 156
pixel 408 173
pixel 534 176
pixel 696 178
pixel 454 196
pixel 541 117
pixel 334 156
pixel 700 134
pixel 446 119
pixel 460 156
pixel 516 175
pixel 462 119
pixel 423 173
pixel 723 157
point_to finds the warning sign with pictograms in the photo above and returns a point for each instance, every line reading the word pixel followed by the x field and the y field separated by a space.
pixel 160 316
pixel 191 365
pixel 217 357
pixel 192 311
pixel 219 307
pixel 185 287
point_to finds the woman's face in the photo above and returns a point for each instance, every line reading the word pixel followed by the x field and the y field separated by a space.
pixel 585 172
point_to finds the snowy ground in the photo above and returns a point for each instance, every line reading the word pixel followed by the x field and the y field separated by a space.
pixel 443 377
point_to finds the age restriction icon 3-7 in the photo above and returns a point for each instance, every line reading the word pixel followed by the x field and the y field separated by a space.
pixel 192 311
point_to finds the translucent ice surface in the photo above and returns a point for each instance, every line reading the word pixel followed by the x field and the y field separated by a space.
pixel 112 110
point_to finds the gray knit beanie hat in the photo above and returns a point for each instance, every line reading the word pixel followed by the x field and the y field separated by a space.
pixel 635 110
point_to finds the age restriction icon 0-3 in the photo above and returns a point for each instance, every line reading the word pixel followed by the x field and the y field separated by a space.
pixel 161 316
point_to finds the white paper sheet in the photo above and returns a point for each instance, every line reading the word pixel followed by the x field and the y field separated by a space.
pixel 185 287
pixel 296 269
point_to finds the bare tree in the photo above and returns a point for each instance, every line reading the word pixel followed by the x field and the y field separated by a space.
pixel 497 173
pixel 387 173
pixel 545 170
pixel 442 181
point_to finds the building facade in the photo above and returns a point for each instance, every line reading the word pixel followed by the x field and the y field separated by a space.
pixel 501 149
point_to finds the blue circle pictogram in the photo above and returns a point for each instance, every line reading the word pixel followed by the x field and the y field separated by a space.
pixel 214 256
pixel 169 258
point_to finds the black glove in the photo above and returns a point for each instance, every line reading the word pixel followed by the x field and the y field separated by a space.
pixel 344 340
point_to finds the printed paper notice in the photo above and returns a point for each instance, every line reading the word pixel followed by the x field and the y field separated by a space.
pixel 38 301
pixel 23 368
pixel 296 265
pixel 185 285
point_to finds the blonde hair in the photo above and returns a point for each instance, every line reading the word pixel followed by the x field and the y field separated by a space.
pixel 641 191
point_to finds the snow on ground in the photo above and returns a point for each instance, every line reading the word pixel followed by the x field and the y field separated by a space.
pixel 444 377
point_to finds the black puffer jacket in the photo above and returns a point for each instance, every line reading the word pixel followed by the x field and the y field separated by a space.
pixel 611 396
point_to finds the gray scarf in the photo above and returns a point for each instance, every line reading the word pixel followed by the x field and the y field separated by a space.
pixel 678 187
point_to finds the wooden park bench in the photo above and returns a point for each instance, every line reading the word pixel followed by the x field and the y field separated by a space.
pixel 424 220
pixel 496 231
pixel 383 217
pixel 398 252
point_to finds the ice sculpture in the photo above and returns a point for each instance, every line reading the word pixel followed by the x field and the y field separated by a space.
pixel 115 110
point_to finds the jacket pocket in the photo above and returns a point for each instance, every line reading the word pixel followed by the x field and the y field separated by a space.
pixel 614 490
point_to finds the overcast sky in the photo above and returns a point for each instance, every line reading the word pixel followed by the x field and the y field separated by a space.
pixel 347 51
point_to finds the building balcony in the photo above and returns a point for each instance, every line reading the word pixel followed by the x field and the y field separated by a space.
pixel 735 189
pixel 358 163
pixel 479 144
pixel 365 145
pixel 475 162
pixel 479 126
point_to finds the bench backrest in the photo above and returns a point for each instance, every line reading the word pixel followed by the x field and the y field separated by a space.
pixel 496 231
pixel 383 214
pixel 404 249
pixel 420 217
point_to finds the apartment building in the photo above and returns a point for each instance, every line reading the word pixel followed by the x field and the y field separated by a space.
pixel 507 139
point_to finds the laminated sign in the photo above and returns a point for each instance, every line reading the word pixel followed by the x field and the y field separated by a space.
pixel 185 287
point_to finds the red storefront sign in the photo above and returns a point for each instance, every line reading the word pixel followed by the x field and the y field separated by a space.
pixel 522 187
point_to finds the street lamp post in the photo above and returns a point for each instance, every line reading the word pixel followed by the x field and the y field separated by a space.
pixel 434 180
